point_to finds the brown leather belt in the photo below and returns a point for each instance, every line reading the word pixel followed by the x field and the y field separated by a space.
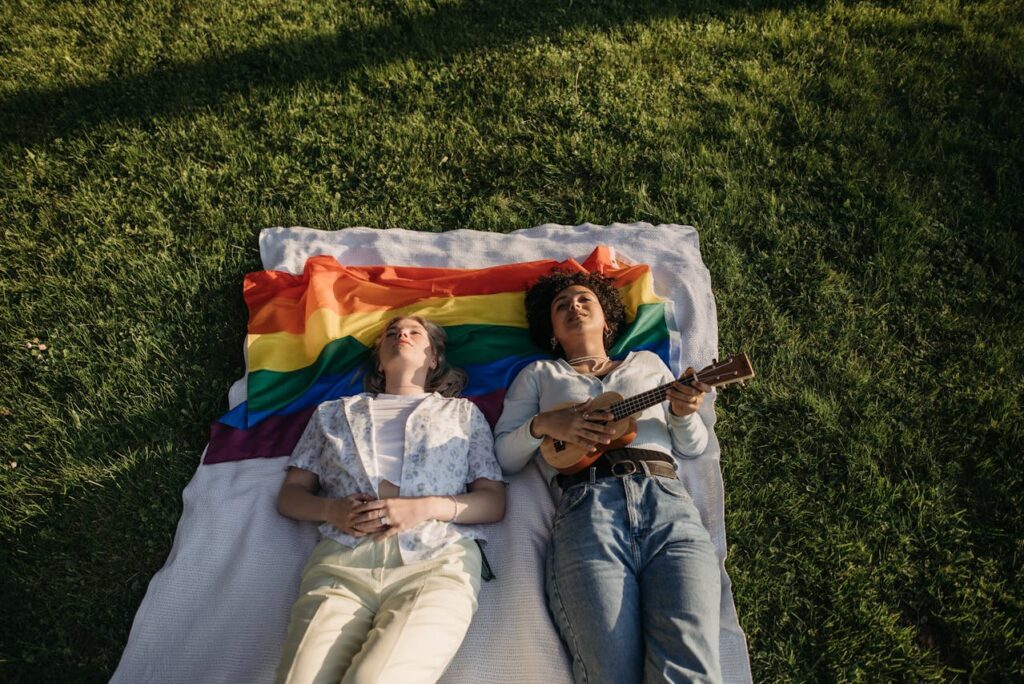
pixel 621 463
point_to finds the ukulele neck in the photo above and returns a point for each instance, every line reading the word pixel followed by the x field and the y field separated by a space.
pixel 645 400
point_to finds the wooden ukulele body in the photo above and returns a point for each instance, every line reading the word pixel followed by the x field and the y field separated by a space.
pixel 568 458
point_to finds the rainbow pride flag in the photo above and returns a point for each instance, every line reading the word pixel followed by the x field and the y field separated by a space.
pixel 310 335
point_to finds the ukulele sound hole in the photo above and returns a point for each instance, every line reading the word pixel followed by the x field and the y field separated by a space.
pixel 559 445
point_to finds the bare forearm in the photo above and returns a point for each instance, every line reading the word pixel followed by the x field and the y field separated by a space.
pixel 298 503
pixel 480 506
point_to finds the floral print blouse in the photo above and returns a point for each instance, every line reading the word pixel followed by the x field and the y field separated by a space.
pixel 448 444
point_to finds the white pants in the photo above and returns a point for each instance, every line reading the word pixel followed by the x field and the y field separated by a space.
pixel 364 617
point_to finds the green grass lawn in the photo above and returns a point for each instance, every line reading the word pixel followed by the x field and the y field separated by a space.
pixel 855 170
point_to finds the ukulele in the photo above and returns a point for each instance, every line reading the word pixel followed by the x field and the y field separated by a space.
pixel 569 458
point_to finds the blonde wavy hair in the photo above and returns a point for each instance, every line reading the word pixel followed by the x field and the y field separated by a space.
pixel 444 379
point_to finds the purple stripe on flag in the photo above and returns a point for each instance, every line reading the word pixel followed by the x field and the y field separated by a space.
pixel 275 436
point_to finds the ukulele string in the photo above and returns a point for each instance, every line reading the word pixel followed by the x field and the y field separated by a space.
pixel 639 402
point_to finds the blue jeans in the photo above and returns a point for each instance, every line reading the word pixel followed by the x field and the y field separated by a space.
pixel 633 583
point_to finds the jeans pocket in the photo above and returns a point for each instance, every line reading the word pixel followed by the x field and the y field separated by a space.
pixel 571 498
pixel 673 487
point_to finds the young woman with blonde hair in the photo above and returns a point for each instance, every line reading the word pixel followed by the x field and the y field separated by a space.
pixel 400 477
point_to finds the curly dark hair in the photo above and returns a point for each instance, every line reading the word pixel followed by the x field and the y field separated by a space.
pixel 540 295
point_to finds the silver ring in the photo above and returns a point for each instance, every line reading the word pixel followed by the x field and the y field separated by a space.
pixel 586 416
pixel 384 521
pixel 380 516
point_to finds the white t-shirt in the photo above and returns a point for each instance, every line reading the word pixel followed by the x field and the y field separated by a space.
pixel 390 413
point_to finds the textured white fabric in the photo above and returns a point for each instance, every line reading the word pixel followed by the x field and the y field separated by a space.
pixel 218 610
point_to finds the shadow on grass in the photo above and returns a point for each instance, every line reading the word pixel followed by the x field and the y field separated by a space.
pixel 35 116
pixel 85 568
pixel 84 561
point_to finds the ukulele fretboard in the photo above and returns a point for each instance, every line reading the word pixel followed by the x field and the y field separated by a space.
pixel 642 401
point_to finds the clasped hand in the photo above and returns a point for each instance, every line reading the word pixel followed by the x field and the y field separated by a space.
pixel 359 515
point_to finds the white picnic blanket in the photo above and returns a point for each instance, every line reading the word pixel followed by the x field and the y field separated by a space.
pixel 218 609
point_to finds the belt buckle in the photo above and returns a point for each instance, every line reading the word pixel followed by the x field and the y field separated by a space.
pixel 624 473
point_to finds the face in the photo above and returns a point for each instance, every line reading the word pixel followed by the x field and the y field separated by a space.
pixel 405 341
pixel 576 311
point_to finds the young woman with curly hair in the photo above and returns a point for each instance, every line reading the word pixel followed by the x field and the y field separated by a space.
pixel 632 577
